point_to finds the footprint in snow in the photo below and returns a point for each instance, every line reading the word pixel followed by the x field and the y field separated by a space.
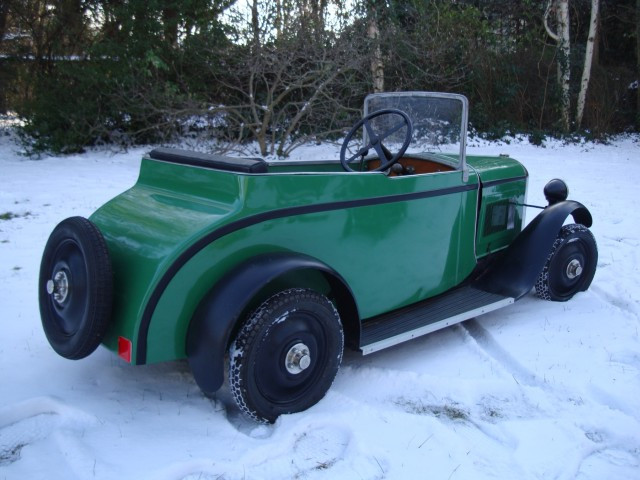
pixel 298 450
pixel 27 422
pixel 610 463
pixel 310 450
pixel 320 448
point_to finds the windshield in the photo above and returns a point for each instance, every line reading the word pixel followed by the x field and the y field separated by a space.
pixel 439 120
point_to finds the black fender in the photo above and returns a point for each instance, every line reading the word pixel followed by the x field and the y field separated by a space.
pixel 515 272
pixel 220 310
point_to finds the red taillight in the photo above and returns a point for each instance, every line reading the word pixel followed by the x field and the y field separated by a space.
pixel 124 349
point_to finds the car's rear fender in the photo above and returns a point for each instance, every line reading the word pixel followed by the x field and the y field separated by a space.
pixel 515 272
pixel 220 312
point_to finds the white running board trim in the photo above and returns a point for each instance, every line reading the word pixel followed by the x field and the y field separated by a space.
pixel 432 327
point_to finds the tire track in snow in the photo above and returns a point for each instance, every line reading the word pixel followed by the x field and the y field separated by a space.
pixel 627 306
pixel 489 347
pixel 611 443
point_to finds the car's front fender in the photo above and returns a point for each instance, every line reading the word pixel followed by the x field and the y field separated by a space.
pixel 515 272
pixel 221 309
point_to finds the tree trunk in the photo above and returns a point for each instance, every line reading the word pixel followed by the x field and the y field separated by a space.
pixel 562 38
pixel 318 8
pixel 377 64
pixel 4 10
pixel 112 19
pixel 638 62
pixel 170 24
pixel 278 19
pixel 588 59
pixel 565 59
pixel 255 26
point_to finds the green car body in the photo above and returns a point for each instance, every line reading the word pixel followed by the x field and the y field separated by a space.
pixel 399 237
pixel 199 242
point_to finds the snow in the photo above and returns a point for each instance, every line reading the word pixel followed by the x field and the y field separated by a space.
pixel 536 390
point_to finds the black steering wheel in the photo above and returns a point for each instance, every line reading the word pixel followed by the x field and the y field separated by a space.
pixel 375 140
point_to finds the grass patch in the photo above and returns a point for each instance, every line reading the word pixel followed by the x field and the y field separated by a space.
pixel 450 410
pixel 10 215
pixel 325 465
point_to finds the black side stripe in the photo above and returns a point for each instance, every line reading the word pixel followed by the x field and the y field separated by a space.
pixel 141 350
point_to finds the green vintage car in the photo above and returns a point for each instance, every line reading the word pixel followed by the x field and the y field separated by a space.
pixel 275 266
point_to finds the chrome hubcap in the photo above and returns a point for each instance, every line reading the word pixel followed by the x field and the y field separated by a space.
pixel 298 358
pixel 574 269
pixel 59 287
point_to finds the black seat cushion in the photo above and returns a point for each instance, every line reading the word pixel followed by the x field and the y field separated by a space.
pixel 206 160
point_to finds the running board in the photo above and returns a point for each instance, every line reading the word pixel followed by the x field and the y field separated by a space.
pixel 427 316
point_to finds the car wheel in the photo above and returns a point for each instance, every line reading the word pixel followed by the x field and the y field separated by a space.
pixel 286 355
pixel 75 288
pixel 570 266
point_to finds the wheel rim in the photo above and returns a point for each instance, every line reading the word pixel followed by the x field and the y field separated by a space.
pixel 67 287
pixel 571 263
pixel 298 359
pixel 291 358
pixel 574 269
pixel 58 286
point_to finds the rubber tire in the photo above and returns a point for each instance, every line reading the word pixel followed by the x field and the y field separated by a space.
pixel 76 326
pixel 574 241
pixel 262 387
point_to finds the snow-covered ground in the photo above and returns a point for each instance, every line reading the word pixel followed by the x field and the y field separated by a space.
pixel 538 390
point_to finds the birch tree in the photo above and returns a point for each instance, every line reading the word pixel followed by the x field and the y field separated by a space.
pixel 561 37
pixel 377 62
pixel 588 59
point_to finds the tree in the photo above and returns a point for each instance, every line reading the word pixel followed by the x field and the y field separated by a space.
pixel 561 37
pixel 131 77
pixel 424 46
pixel 81 72
pixel 286 89
pixel 284 97
pixel 588 59
pixel 4 11
pixel 377 62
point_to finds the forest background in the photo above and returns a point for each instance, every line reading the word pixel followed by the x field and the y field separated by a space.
pixel 280 73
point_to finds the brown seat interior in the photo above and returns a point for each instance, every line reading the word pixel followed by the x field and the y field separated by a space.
pixel 420 166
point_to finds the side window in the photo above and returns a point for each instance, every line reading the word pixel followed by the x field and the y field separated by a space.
pixel 500 216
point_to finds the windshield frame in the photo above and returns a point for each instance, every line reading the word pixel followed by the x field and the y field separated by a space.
pixel 464 117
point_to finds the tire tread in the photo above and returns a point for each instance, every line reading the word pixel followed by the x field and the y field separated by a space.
pixel 100 288
pixel 542 289
pixel 250 333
